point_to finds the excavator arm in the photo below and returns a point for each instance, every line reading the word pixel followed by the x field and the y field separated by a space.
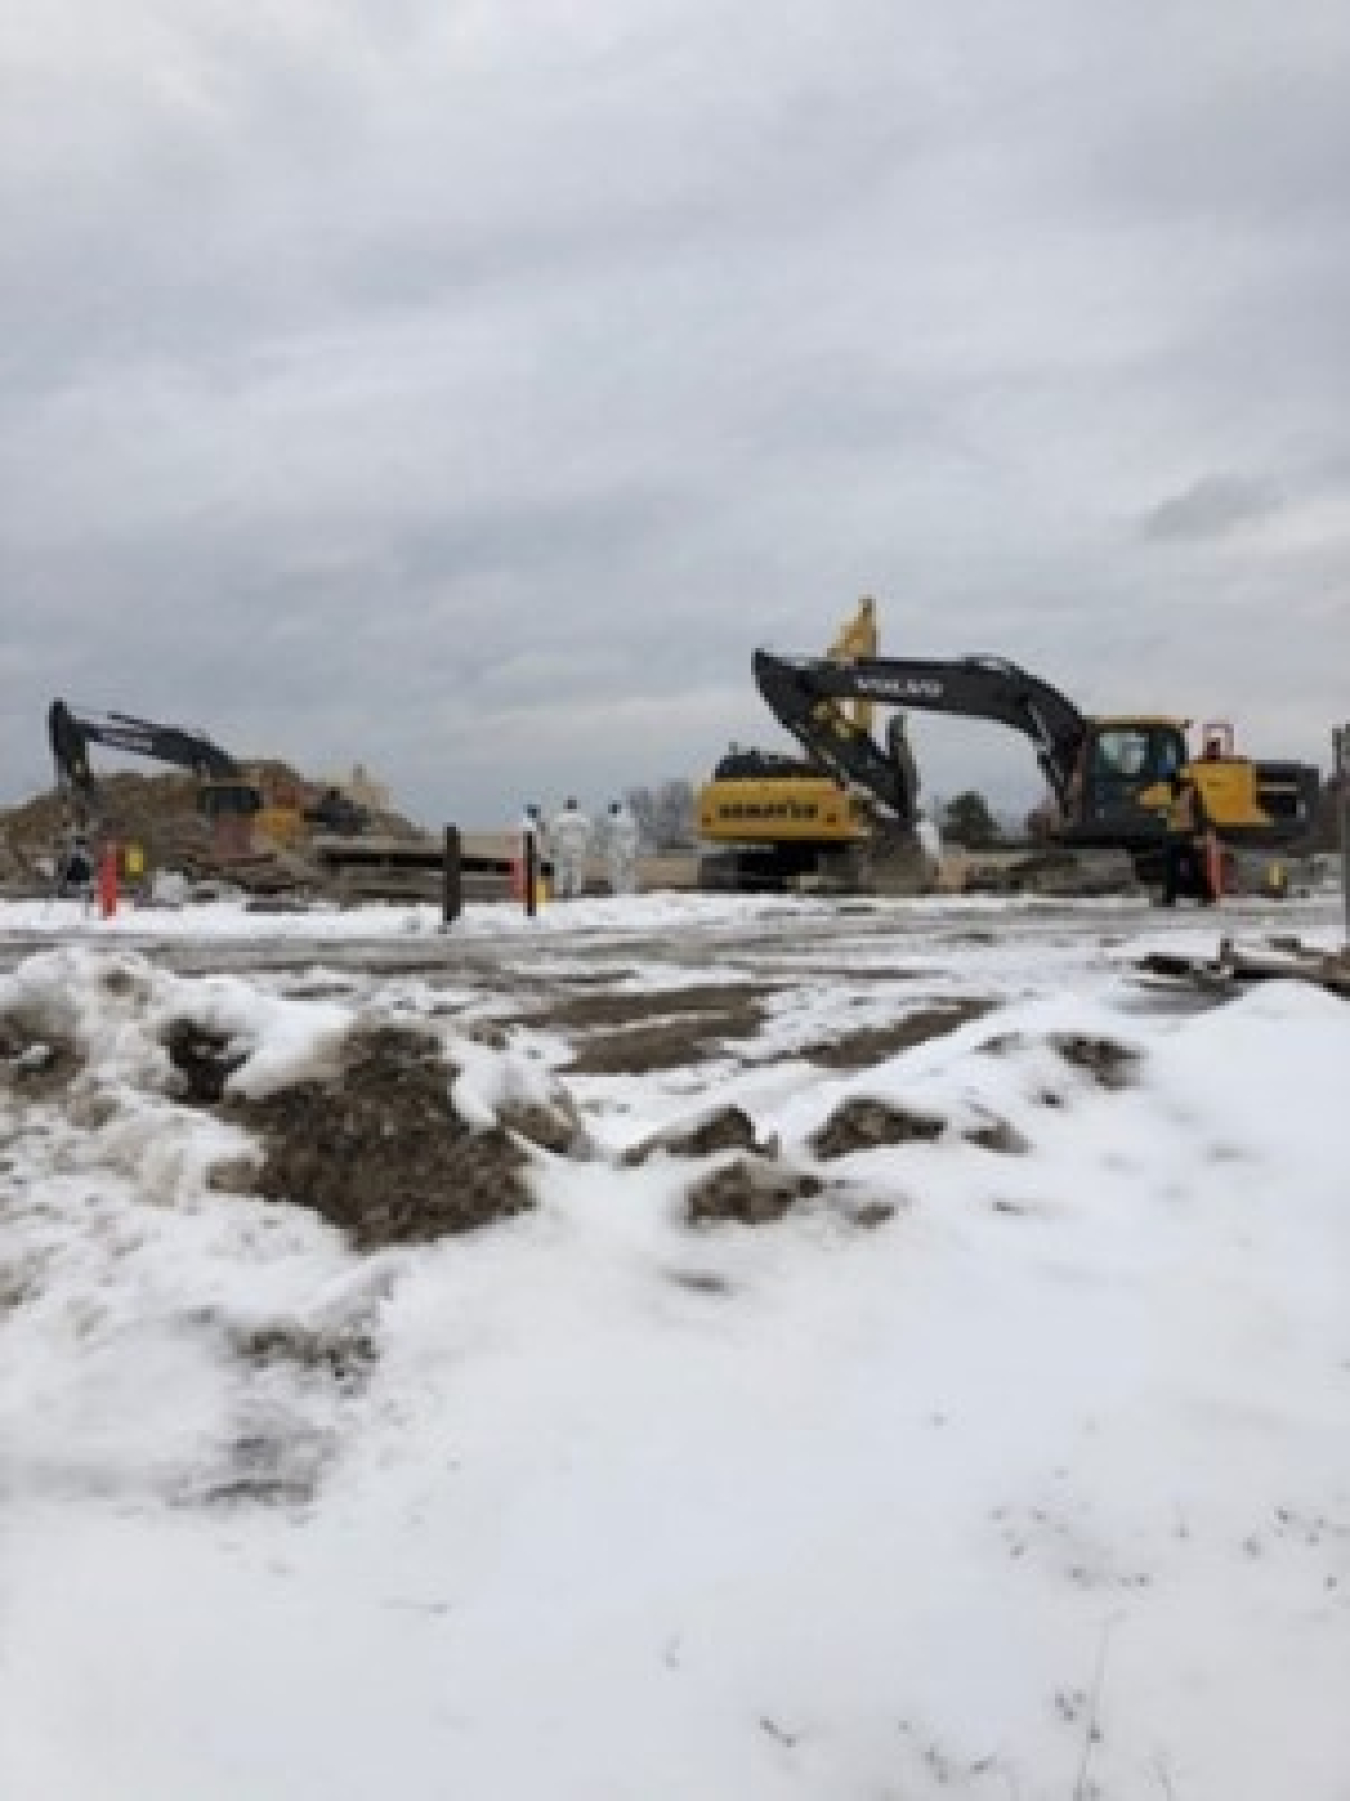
pixel 71 734
pixel 806 694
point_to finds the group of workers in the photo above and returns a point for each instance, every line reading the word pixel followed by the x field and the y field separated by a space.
pixel 569 837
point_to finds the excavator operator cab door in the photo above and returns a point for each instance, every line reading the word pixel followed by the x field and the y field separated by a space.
pixel 1125 759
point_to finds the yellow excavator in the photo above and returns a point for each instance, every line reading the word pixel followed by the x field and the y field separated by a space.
pixel 1112 778
pixel 773 821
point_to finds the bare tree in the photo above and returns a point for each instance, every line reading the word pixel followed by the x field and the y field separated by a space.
pixel 665 813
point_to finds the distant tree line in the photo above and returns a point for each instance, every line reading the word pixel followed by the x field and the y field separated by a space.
pixel 665 813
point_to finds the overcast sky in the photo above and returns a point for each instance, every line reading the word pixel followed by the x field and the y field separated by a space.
pixel 466 387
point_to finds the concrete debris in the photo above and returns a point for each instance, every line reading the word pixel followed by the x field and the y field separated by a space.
pixel 1280 959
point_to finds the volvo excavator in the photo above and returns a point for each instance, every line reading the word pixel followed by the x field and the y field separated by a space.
pixel 1112 778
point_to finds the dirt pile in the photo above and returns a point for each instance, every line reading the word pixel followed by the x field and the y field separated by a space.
pixel 724 1129
pixel 751 1190
pixel 141 809
pixel 1104 1061
pixel 159 812
pixel 865 1125
pixel 637 1034
pixel 380 1150
pixel 868 1045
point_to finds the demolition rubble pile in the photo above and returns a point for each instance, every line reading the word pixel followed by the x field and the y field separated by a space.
pixel 160 814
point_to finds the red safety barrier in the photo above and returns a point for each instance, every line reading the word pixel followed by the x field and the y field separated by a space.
pixel 107 882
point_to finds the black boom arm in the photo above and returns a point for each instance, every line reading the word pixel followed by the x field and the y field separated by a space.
pixel 71 734
pixel 805 693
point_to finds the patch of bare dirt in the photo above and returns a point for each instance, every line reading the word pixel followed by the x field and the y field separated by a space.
pixel 666 1042
pixel 1104 1061
pixel 725 1129
pixel 700 1281
pixel 866 1125
pixel 345 1355
pixel 583 1012
pixel 555 1127
pixel 751 1190
pixel 380 1151
pixel 582 979
pixel 37 1064
pixel 796 970
pixel 756 1190
pixel 270 1462
pixel 998 1135
pixel 1108 1063
pixel 869 1045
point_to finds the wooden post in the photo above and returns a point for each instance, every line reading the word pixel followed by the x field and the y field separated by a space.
pixel 452 876
pixel 531 874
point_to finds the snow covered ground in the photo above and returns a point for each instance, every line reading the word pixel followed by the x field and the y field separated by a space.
pixel 1014 1463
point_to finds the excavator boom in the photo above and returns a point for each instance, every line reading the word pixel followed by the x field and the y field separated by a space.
pixel 72 733
pixel 226 793
pixel 804 694
pixel 1111 777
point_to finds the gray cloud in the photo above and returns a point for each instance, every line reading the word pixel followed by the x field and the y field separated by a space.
pixel 1211 506
pixel 468 390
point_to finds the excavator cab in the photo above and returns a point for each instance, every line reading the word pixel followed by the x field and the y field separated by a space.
pixel 1127 770
pixel 228 800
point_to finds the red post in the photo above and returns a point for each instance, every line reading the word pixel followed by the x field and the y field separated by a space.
pixel 107 881
pixel 1214 865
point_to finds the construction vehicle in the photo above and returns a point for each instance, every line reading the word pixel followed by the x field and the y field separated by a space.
pixel 229 798
pixel 779 821
pixel 225 792
pixel 1112 778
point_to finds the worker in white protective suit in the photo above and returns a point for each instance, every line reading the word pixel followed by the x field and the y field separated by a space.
pixel 569 841
pixel 621 845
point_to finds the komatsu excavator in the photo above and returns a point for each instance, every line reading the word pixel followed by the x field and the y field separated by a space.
pixel 1113 779
pixel 782 821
